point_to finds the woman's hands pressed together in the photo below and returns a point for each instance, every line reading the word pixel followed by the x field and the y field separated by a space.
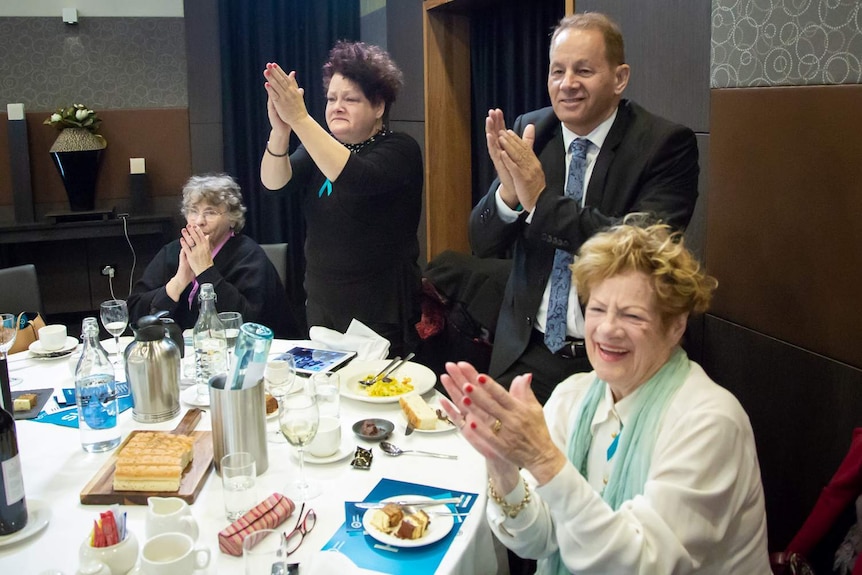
pixel 507 427
pixel 285 105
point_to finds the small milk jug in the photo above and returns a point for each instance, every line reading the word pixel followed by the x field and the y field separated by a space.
pixel 153 370
pixel 170 515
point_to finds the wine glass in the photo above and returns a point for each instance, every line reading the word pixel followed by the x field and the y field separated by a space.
pixel 278 376
pixel 115 318
pixel 232 321
pixel 8 333
pixel 298 419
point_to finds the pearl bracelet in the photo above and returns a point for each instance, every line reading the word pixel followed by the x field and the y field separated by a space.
pixel 510 510
pixel 268 151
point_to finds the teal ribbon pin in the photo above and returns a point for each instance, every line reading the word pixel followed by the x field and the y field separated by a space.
pixel 327 185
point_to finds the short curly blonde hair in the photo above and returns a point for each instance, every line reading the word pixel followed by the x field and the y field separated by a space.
pixel 681 286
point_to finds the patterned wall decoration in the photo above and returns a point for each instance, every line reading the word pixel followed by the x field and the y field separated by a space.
pixel 106 63
pixel 786 43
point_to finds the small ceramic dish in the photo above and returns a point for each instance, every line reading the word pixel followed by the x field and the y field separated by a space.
pixel 373 429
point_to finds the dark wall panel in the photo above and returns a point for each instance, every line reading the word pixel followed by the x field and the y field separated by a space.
pixel 667 46
pixel 803 408
pixel 784 238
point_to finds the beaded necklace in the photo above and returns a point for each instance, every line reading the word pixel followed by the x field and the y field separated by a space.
pixel 356 147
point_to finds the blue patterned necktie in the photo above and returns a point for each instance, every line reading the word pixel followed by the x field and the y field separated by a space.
pixel 561 275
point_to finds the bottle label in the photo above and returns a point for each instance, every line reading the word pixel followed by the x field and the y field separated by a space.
pixel 13 481
pixel 97 401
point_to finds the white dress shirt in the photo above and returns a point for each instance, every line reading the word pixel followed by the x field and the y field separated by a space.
pixel 702 509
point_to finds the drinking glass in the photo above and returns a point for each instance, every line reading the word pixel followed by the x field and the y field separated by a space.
pixel 8 333
pixel 264 553
pixel 232 321
pixel 238 473
pixel 327 387
pixel 278 376
pixel 115 318
pixel 298 418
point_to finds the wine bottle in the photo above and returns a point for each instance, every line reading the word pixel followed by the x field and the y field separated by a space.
pixel 13 505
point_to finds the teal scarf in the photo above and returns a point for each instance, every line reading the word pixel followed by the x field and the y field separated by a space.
pixel 634 453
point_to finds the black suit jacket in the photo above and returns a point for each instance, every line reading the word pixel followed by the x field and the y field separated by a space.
pixel 647 164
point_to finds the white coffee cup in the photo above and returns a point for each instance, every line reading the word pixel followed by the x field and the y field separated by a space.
pixel 328 438
pixel 172 554
pixel 52 337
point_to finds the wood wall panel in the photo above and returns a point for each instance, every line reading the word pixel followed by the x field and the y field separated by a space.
pixel 784 237
pixel 447 130
pixel 160 135
pixel 803 408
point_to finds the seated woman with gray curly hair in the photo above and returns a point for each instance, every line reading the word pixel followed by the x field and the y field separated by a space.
pixel 643 465
pixel 211 249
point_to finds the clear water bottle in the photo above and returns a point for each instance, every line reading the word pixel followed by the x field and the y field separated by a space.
pixel 209 340
pixel 96 393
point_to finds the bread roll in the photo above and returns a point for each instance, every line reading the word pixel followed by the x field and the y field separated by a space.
pixel 419 414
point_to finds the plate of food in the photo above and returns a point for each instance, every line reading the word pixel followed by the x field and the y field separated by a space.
pixel 407 526
pixel 410 377
pixel 424 417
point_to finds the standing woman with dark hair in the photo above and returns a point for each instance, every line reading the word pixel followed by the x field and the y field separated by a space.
pixel 362 193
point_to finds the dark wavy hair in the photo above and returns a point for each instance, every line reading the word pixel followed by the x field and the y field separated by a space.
pixel 369 67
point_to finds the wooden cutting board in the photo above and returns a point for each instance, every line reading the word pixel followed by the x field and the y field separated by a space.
pixel 100 489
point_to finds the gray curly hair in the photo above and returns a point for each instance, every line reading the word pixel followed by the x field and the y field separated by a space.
pixel 217 190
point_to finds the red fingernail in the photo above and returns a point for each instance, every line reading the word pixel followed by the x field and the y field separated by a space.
pixel 467 401
pixel 468 388
pixel 482 379
pixel 472 425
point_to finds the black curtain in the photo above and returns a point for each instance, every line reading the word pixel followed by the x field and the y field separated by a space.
pixel 509 66
pixel 297 34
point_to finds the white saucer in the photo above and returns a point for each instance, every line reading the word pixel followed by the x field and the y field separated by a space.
pixel 37 349
pixel 343 451
pixel 191 396
pixel 39 516
pixel 442 426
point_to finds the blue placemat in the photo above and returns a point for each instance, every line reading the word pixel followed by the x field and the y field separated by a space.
pixel 360 548
pixel 68 417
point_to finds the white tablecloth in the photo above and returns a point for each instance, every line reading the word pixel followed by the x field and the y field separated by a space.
pixel 55 469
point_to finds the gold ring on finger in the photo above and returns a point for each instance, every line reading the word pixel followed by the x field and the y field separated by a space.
pixel 496 426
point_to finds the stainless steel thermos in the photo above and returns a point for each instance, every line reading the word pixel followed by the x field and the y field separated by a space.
pixel 153 368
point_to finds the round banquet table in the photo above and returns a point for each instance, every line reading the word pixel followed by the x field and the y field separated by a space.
pixel 56 469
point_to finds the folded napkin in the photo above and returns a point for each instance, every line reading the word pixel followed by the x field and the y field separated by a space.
pixel 359 338
pixel 268 514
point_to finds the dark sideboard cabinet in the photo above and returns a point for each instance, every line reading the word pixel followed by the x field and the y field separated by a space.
pixel 70 256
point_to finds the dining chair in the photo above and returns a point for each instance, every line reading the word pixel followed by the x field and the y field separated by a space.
pixel 277 254
pixel 19 290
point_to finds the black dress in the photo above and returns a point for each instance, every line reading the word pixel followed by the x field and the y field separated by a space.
pixel 361 247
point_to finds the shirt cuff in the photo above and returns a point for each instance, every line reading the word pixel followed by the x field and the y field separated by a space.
pixel 513 525
pixel 506 213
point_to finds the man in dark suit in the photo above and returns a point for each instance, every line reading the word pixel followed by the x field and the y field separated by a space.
pixel 634 162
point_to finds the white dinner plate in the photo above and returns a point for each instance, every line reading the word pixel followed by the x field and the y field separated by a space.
pixel 438 528
pixel 39 515
pixel 191 396
pixel 442 426
pixel 68 347
pixel 421 378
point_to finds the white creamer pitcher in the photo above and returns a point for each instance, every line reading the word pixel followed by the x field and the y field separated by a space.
pixel 170 515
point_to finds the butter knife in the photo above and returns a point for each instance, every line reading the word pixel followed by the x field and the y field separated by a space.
pixel 422 503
